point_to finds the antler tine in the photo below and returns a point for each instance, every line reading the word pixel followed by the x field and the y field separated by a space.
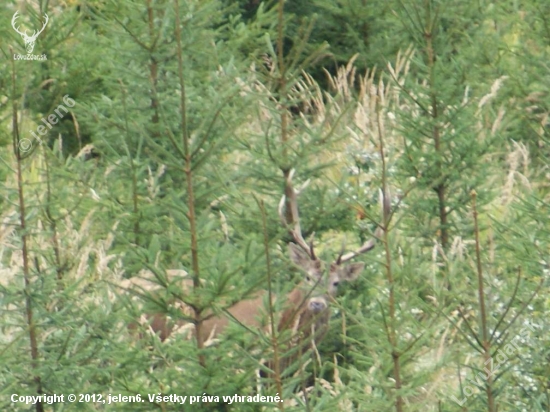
pixel 366 247
pixel 292 195
pixel 339 258
pixel 311 251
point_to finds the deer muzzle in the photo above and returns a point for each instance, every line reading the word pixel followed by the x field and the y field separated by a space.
pixel 317 305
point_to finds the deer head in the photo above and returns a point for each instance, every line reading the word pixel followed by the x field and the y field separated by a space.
pixel 29 40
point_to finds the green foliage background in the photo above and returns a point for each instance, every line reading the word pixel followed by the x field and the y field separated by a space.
pixel 425 106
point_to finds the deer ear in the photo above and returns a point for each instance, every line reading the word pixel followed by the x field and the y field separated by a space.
pixel 298 256
pixel 352 271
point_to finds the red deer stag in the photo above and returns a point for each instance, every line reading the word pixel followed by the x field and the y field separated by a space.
pixel 305 313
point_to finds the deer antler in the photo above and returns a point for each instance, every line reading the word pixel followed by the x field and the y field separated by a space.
pixel 34 33
pixel 292 196
pixel 43 27
pixel 14 18
pixel 366 247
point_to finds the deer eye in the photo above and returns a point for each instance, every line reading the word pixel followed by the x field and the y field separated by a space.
pixel 335 283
